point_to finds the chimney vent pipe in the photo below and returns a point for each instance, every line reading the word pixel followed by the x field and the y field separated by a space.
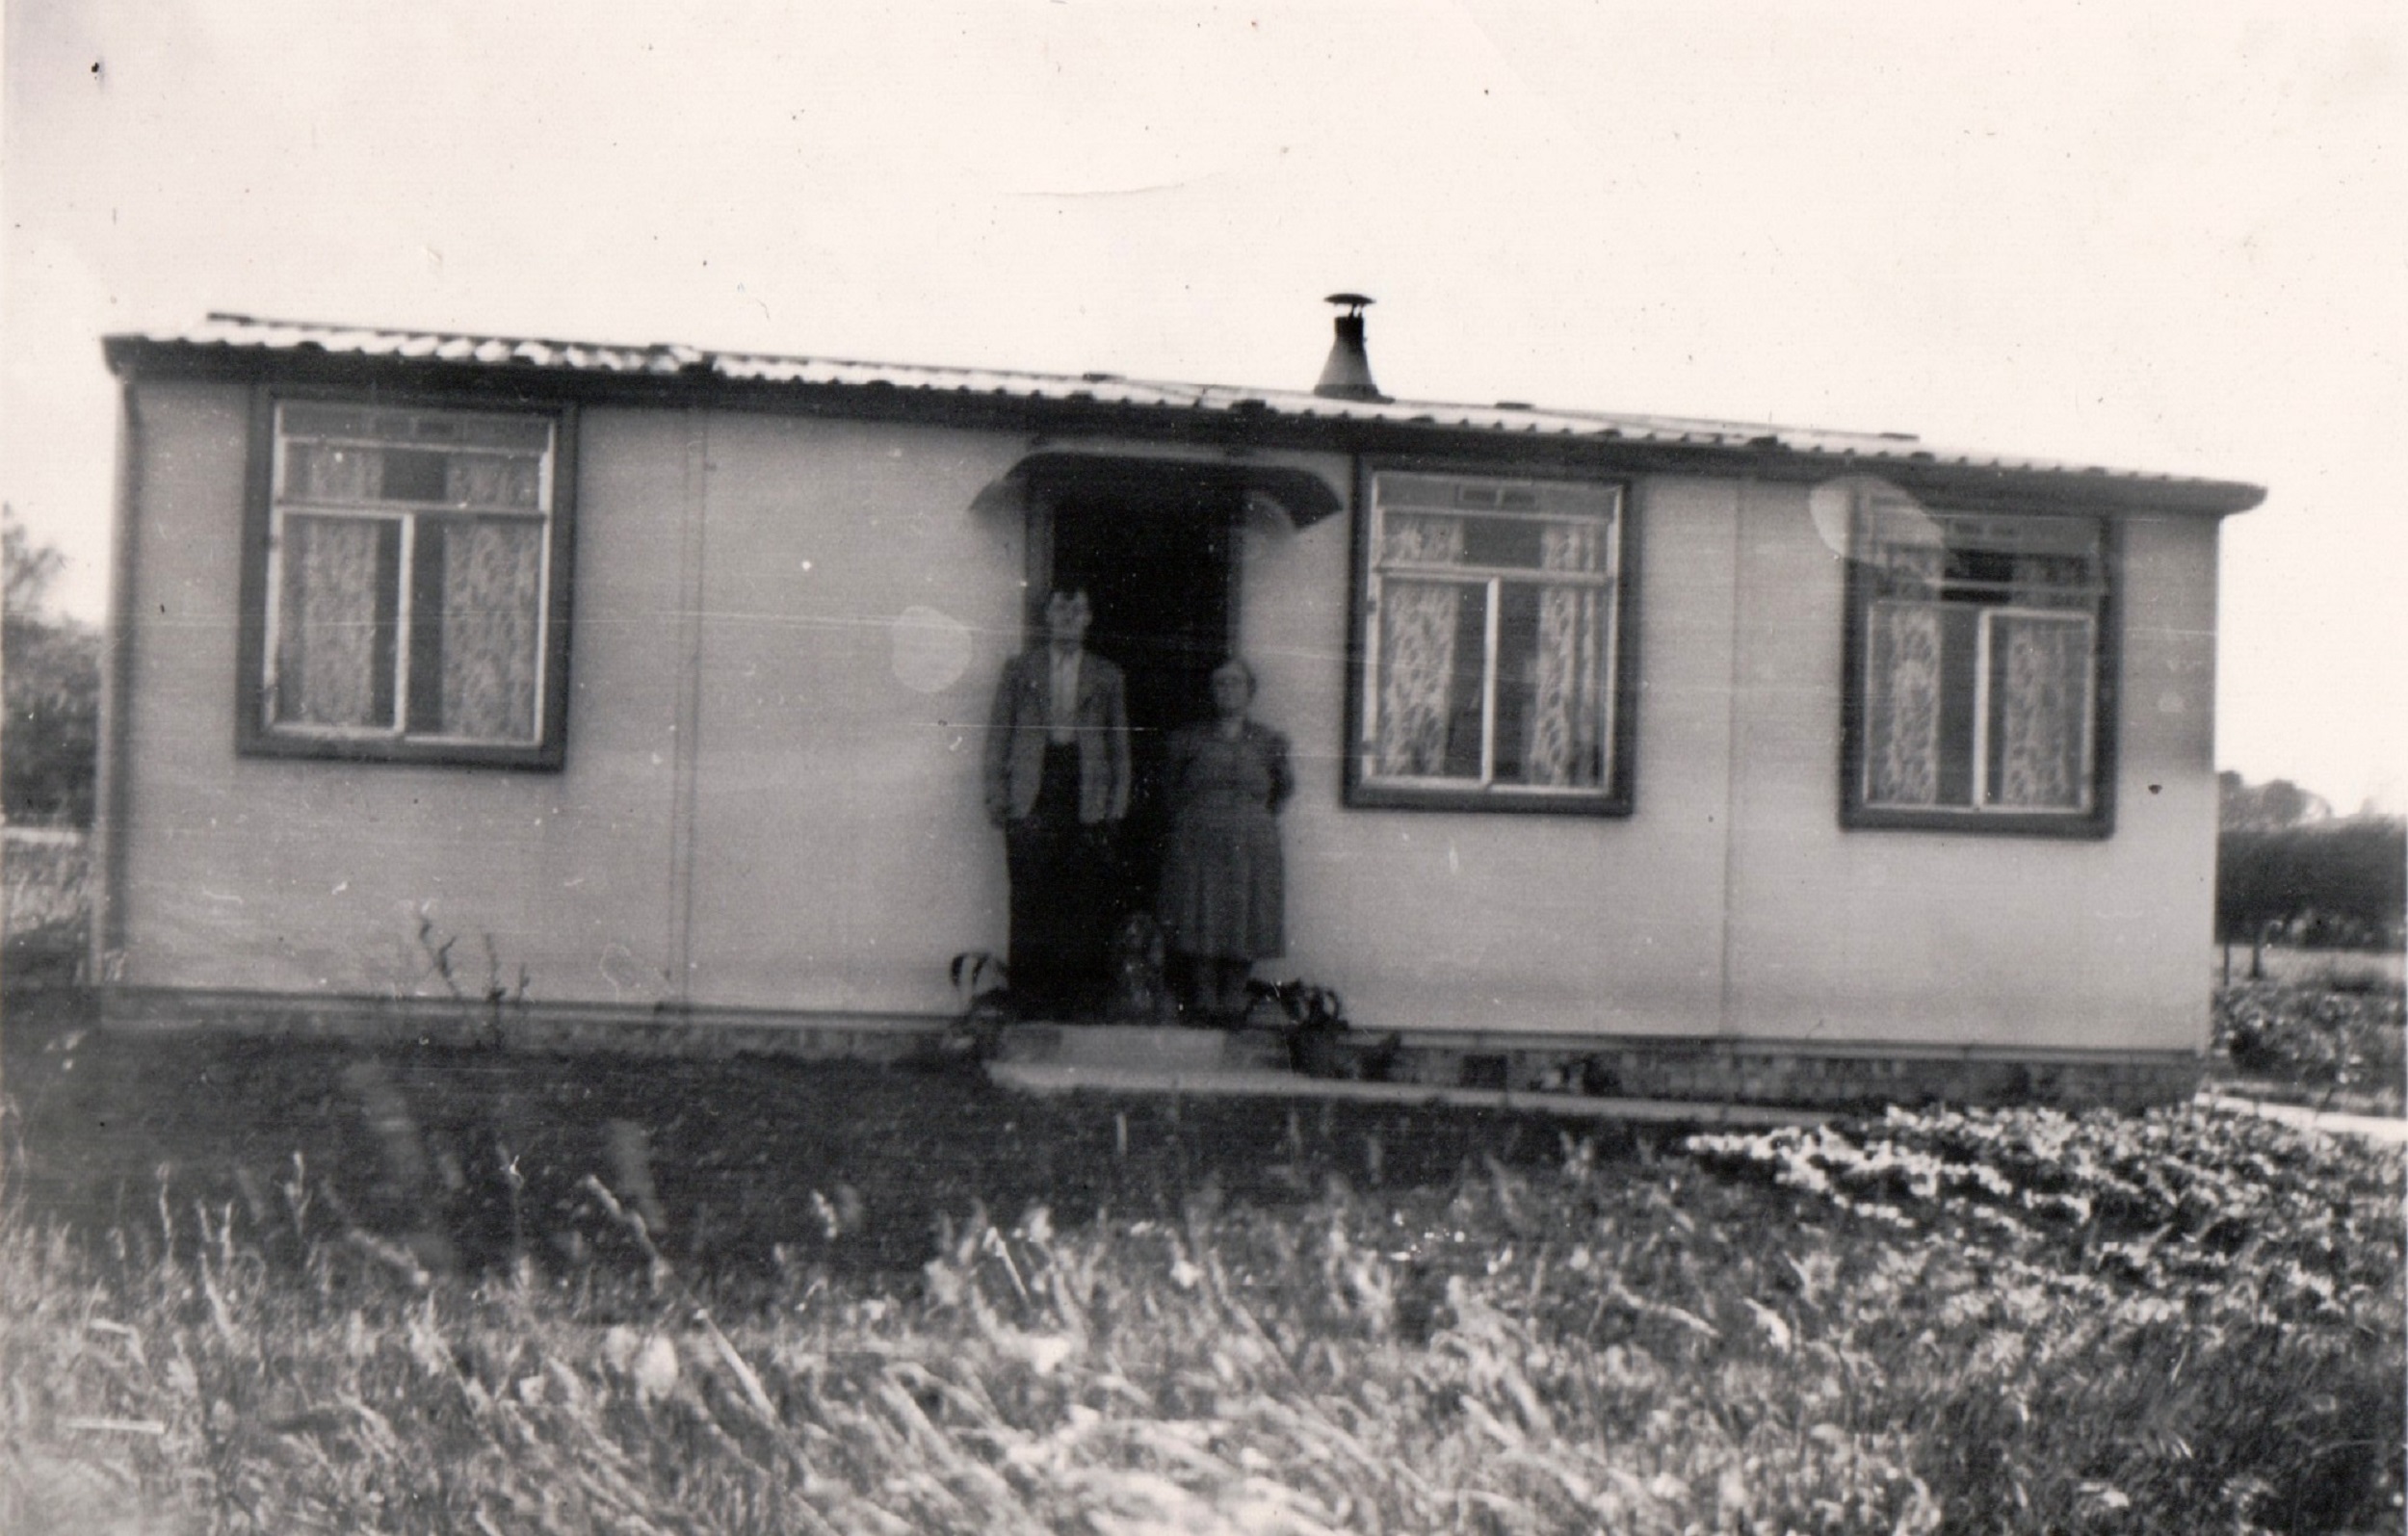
pixel 1348 374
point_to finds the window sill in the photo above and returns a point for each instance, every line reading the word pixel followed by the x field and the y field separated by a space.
pixel 2084 826
pixel 546 758
pixel 1509 801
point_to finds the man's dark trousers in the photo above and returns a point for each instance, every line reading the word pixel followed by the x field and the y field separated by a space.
pixel 1061 894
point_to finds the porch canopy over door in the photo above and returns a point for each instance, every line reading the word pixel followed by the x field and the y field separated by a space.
pixel 1305 496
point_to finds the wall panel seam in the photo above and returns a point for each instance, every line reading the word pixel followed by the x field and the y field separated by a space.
pixel 684 754
pixel 1727 1024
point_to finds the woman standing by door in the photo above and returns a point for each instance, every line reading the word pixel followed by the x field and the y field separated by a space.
pixel 1223 887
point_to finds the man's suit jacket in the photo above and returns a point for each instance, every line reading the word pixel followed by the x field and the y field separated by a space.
pixel 1016 731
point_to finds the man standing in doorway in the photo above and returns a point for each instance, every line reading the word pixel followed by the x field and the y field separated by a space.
pixel 1058 784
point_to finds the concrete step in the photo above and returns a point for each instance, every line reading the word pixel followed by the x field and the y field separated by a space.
pixel 1241 1082
pixel 1139 1047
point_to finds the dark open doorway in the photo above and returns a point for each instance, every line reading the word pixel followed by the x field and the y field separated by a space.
pixel 1155 552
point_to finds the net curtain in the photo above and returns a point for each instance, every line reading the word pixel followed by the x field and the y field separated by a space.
pixel 328 655
pixel 2040 712
pixel 2036 698
pixel 1418 622
pixel 1562 749
pixel 1421 629
pixel 491 599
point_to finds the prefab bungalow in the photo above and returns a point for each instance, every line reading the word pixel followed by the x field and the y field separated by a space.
pixel 639 693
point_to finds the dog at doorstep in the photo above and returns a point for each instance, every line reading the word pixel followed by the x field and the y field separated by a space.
pixel 1141 993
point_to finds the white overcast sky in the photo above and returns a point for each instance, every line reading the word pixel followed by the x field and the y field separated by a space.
pixel 2169 237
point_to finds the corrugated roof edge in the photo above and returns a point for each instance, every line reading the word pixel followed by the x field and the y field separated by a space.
pixel 223 333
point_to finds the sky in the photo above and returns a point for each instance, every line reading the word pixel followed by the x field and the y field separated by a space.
pixel 2166 237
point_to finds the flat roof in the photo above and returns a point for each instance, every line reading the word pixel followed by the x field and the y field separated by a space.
pixel 250 347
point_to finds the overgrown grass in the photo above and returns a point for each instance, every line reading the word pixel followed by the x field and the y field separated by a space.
pixel 262 1286
pixel 45 877
pixel 469 1157
pixel 1977 1322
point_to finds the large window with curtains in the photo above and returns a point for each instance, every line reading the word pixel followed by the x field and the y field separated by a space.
pixel 1977 674
pixel 408 588
pixel 1491 644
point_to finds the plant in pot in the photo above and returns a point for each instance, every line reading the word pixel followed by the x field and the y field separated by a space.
pixel 984 985
pixel 1312 1019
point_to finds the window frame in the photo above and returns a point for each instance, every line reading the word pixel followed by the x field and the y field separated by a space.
pixel 256 735
pixel 2093 822
pixel 1364 790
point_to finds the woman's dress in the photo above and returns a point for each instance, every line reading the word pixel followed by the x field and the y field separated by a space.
pixel 1223 886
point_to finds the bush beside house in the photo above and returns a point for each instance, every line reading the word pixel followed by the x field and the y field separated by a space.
pixel 2288 869
pixel 51 746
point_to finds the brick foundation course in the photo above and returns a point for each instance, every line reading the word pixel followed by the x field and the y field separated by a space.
pixel 1675 1068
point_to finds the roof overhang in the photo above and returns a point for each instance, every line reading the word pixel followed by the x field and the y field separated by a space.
pixel 1198 420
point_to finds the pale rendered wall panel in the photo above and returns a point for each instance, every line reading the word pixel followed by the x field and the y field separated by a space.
pixel 842 851
pixel 1964 938
pixel 1544 924
pixel 309 875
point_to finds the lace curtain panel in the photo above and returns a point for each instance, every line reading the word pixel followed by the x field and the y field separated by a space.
pixel 1419 623
pixel 2042 667
pixel 1563 746
pixel 334 660
pixel 1902 705
pixel 490 600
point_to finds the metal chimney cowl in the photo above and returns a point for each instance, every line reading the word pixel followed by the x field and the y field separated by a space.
pixel 1348 374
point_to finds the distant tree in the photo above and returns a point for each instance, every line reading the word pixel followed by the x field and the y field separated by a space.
pixel 2356 873
pixel 2286 868
pixel 50 676
pixel 2269 807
